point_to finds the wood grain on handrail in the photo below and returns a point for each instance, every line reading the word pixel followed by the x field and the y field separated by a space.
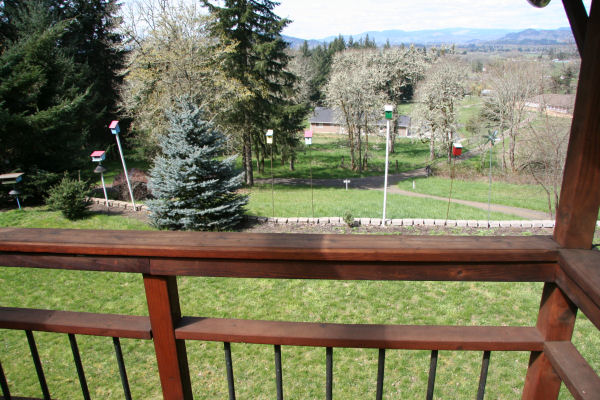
pixel 574 370
pixel 80 323
pixel 411 337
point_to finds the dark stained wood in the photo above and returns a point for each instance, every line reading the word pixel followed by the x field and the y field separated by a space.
pixel 74 262
pixel 556 321
pixel 255 246
pixel 578 20
pixel 493 272
pixel 361 336
pixel 80 323
pixel 574 370
pixel 579 297
pixel 171 356
pixel 583 267
pixel 579 196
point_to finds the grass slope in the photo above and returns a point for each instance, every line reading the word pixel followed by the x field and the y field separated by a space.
pixel 295 201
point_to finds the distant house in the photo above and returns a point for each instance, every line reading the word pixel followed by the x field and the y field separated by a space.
pixel 325 120
pixel 559 105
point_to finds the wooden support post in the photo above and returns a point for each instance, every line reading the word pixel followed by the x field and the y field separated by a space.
pixel 556 321
pixel 163 307
pixel 579 197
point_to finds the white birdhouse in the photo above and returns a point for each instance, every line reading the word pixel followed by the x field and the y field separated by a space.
pixel 98 156
pixel 308 137
pixel 270 136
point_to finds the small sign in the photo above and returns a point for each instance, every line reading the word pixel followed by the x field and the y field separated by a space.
pixel 308 137
pixel 114 127
pixel 389 111
pixel 98 156
pixel 270 136
pixel 457 149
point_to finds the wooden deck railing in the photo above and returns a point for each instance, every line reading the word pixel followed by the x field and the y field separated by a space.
pixel 572 281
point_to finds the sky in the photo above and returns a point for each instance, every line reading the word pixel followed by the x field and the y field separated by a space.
pixel 316 19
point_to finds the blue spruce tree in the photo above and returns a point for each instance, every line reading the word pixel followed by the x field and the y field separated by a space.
pixel 193 189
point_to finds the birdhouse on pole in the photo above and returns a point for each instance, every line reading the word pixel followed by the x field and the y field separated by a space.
pixel 457 149
pixel 308 137
pixel 98 156
pixel 12 178
pixel 270 136
pixel 114 127
pixel 389 111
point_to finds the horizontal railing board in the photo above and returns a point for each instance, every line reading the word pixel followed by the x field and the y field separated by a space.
pixel 81 323
pixel 410 337
pixel 76 262
pixel 265 246
pixel 583 267
pixel 497 272
pixel 574 370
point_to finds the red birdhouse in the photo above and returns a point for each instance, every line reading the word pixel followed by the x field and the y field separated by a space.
pixel 457 149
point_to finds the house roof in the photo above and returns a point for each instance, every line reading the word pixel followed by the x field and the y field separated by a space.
pixel 564 101
pixel 323 115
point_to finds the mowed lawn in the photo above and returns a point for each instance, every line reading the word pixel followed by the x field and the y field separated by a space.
pixel 296 201
pixel 328 151
pixel 452 303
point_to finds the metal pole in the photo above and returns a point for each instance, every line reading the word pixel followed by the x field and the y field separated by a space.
pixel 272 183
pixel 18 202
pixel 312 195
pixel 104 188
pixel 385 179
pixel 490 190
pixel 125 170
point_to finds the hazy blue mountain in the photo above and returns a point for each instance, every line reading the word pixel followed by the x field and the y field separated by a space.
pixel 459 36
pixel 538 37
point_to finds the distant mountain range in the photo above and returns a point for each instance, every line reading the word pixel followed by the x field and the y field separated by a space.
pixel 458 36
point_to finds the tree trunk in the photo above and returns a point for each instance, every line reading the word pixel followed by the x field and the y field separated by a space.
pixel 431 148
pixel 511 152
pixel 366 158
pixel 359 146
pixel 292 162
pixel 247 149
pixel 393 135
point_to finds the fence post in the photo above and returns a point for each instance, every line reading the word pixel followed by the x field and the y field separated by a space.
pixel 163 307
pixel 556 321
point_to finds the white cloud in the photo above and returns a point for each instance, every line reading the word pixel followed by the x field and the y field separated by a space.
pixel 313 19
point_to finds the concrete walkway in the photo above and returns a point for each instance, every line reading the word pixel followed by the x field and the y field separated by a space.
pixel 376 183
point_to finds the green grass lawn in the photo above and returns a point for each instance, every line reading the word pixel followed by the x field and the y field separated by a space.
pixel 327 152
pixel 447 303
pixel 295 201
pixel 524 196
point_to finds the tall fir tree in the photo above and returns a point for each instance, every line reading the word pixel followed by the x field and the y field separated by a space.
pixel 259 64
pixel 193 189
pixel 41 100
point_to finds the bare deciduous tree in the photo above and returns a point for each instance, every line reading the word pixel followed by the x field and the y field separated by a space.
pixel 435 116
pixel 172 58
pixel 543 151
pixel 512 83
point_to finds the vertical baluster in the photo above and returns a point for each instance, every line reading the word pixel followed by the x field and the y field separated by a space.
pixel 329 373
pixel 485 363
pixel 432 371
pixel 122 370
pixel 4 384
pixel 380 371
pixel 229 367
pixel 79 366
pixel 278 372
pixel 38 365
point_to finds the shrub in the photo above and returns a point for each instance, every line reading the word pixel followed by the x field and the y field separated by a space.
pixel 69 197
pixel 349 219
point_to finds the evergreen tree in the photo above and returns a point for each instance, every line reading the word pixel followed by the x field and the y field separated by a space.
pixel 259 64
pixel 41 100
pixel 193 189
